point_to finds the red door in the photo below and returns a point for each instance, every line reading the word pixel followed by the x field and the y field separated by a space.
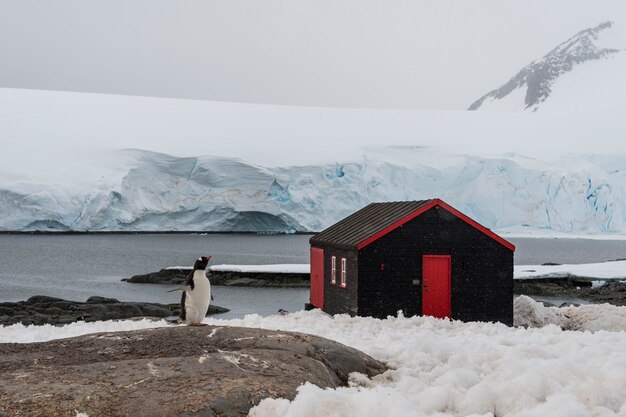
pixel 317 277
pixel 436 286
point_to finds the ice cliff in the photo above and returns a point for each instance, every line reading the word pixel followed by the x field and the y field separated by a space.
pixel 159 192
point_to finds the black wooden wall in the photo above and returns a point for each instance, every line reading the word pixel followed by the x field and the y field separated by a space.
pixel 481 269
pixel 339 300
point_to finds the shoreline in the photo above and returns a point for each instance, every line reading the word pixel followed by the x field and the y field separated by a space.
pixel 150 232
pixel 570 288
pixel 507 235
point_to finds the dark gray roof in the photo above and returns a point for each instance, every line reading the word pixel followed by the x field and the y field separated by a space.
pixel 365 223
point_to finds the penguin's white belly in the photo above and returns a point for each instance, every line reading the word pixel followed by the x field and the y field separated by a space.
pixel 197 301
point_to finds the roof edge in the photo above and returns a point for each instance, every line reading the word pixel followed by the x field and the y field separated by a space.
pixel 476 225
pixel 439 203
pixel 340 246
pixel 397 224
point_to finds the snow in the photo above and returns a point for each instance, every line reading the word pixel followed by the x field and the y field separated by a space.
pixel 446 368
pixel 273 268
pixel 18 333
pixel 530 313
pixel 599 271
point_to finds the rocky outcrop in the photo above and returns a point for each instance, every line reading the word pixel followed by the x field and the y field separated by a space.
pixel 175 371
pixel 171 276
pixel 42 309
pixel 229 278
pixel 612 292
pixel 537 77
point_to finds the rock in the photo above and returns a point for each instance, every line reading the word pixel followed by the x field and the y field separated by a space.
pixel 176 276
pixel 259 279
pixel 174 371
pixel 613 292
pixel 164 276
pixel 569 304
pixel 42 309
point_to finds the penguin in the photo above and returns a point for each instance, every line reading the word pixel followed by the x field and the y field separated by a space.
pixel 196 297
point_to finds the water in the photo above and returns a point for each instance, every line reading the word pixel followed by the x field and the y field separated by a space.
pixel 78 266
pixel 567 251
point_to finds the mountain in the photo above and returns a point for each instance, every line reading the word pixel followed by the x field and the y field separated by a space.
pixel 534 83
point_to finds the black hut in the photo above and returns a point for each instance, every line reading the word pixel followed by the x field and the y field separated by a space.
pixel 421 257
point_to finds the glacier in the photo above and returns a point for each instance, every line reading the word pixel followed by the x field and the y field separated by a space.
pixel 159 192
pixel 93 162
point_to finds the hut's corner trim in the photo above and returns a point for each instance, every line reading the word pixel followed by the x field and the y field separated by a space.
pixel 437 202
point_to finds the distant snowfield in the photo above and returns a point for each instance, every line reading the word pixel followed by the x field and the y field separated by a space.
pixel 446 368
pixel 52 127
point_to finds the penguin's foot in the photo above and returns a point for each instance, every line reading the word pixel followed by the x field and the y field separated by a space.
pixel 198 324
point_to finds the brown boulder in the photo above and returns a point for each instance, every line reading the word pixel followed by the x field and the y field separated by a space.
pixel 174 371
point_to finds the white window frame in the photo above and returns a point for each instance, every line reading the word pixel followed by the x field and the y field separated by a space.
pixel 344 268
pixel 333 269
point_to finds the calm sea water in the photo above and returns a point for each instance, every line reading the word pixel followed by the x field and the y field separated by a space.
pixel 78 266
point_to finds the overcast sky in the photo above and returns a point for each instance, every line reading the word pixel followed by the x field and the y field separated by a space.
pixel 431 54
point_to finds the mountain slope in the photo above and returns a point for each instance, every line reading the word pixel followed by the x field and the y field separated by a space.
pixel 533 85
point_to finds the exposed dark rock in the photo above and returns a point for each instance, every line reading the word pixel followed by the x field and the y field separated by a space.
pixel 612 292
pixel 41 309
pixel 174 371
pixel 164 276
pixel 228 278
pixel 538 77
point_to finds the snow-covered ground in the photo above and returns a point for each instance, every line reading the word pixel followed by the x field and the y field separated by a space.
pixel 447 368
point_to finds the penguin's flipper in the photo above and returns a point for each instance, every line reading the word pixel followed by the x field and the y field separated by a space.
pixel 183 309
pixel 189 280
